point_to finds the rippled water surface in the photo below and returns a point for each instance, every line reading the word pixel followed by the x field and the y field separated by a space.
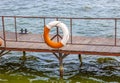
pixel 44 67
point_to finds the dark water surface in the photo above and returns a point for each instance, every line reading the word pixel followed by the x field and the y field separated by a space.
pixel 44 67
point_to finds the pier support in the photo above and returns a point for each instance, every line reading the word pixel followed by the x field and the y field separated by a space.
pixel 60 57
pixel 80 59
pixel 24 56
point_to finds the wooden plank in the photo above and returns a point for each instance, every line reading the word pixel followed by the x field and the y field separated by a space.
pixel 115 49
pixel 71 47
pixel 9 35
pixel 99 48
pixel 106 49
pixel 30 37
pixel 76 48
pixel 102 41
pixel 118 42
pixel 43 47
pixel 81 40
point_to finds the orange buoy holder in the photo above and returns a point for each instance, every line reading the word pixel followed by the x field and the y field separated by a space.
pixel 63 41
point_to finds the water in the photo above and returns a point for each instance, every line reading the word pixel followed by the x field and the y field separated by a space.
pixel 44 67
pixel 72 8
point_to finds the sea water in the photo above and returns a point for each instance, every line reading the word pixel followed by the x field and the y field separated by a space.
pixel 44 67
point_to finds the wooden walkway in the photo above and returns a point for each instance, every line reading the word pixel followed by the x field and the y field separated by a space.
pixel 79 45
pixel 13 41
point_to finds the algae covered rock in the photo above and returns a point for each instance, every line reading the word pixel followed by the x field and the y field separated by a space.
pixel 106 60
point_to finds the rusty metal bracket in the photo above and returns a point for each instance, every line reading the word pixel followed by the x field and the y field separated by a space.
pixel 60 57
pixel 57 35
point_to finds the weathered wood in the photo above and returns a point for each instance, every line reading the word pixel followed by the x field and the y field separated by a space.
pixel 80 44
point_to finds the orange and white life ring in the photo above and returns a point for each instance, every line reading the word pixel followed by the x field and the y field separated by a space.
pixel 65 34
pixel 1 42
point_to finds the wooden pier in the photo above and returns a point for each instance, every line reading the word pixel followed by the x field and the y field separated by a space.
pixel 88 45
pixel 15 41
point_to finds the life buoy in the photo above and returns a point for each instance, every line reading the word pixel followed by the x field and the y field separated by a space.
pixel 1 42
pixel 65 34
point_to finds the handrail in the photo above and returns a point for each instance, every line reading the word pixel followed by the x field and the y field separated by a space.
pixel 60 17
pixel 57 18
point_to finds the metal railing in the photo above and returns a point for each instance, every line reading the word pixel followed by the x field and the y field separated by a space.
pixel 56 18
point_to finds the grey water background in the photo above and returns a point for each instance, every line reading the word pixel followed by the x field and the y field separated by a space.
pixel 44 66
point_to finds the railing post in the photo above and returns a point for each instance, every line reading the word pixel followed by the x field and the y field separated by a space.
pixel 15 28
pixel 4 35
pixel 57 31
pixel 71 29
pixel 44 22
pixel 115 32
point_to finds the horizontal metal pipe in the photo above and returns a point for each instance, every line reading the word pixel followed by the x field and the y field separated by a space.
pixel 61 17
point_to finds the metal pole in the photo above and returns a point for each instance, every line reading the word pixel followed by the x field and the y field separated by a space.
pixel 24 55
pixel 80 59
pixel 44 22
pixel 4 35
pixel 15 28
pixel 71 29
pixel 115 32
pixel 57 32
pixel 61 65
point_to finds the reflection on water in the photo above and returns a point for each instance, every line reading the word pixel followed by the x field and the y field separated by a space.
pixel 39 69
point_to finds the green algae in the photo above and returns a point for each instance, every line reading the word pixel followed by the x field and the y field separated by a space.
pixel 105 60
pixel 13 70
